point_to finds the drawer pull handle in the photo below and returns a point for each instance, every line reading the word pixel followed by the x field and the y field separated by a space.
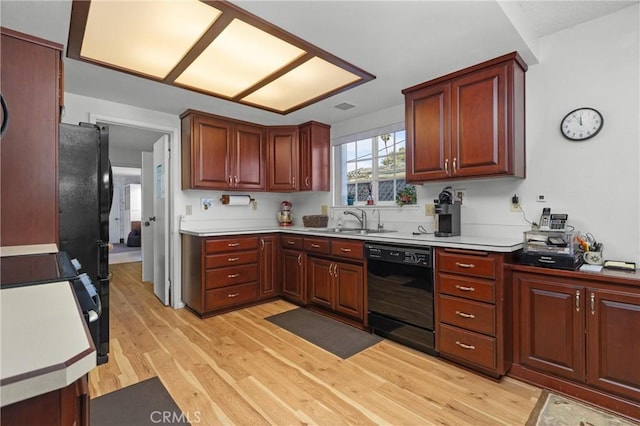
pixel 465 346
pixel 463 288
pixel 465 265
pixel 233 275
pixel 577 300
pixel 465 315
pixel 315 245
pixel 593 303
pixel 233 295
pixel 291 242
pixel 233 244
pixel 345 250
pixel 233 259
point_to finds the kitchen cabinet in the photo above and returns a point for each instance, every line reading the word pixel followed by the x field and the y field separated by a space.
pixel 32 87
pixel 269 266
pixel 582 330
pixel 468 124
pixel 283 168
pixel 472 310
pixel 293 269
pixel 63 407
pixel 334 284
pixel 220 153
pixel 219 274
pixel 315 156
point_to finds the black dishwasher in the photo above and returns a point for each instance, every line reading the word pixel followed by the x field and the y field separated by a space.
pixel 400 294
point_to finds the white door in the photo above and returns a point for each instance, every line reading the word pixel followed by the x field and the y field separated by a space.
pixel 147 212
pixel 115 217
pixel 161 223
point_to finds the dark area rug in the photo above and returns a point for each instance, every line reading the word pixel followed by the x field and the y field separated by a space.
pixel 556 410
pixel 145 403
pixel 340 339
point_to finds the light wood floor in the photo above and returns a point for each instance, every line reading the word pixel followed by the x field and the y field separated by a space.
pixel 240 369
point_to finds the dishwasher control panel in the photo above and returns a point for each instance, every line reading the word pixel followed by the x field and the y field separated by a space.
pixel 405 255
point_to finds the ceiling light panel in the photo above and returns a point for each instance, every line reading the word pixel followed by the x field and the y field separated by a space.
pixel 305 83
pixel 239 58
pixel 143 36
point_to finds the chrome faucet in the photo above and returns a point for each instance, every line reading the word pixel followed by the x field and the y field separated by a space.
pixel 362 218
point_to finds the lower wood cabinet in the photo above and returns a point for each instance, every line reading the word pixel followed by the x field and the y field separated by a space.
pixel 580 336
pixel 336 286
pixel 472 313
pixel 68 406
pixel 220 274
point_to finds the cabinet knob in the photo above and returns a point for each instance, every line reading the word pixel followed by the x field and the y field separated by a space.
pixel 455 159
pixel 446 165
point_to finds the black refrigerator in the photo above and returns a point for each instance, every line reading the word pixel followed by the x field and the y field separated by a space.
pixel 85 192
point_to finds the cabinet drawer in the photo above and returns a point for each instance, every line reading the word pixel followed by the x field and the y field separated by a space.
pixel 229 259
pixel 474 316
pixel 317 245
pixel 292 242
pixel 222 277
pixel 464 264
pixel 350 249
pixel 230 244
pixel 466 345
pixel 469 288
pixel 228 296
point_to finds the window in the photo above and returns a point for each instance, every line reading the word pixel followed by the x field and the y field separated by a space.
pixel 370 165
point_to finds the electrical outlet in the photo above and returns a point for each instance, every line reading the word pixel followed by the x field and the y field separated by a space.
pixel 188 210
pixel 461 195
pixel 254 205
pixel 429 210
pixel 324 209
pixel 515 203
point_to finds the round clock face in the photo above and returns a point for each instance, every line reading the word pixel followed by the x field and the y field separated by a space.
pixel 581 124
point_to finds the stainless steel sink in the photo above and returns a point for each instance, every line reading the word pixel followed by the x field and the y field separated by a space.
pixel 357 231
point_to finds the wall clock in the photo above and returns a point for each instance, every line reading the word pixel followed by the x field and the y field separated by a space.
pixel 581 124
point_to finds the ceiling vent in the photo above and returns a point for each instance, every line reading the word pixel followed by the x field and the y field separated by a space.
pixel 344 106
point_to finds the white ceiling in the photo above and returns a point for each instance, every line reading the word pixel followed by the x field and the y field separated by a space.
pixel 403 43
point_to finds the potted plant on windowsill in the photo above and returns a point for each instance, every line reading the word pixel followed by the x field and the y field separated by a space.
pixel 406 196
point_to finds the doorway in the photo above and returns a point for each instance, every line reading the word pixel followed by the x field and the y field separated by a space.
pixel 125 216
pixel 129 154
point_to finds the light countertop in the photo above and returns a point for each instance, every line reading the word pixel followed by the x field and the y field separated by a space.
pixel 45 343
pixel 494 244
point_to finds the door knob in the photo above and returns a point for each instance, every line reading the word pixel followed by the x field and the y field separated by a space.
pixel 146 223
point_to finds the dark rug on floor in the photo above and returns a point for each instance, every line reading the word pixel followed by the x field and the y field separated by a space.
pixel 338 338
pixel 145 403
pixel 123 248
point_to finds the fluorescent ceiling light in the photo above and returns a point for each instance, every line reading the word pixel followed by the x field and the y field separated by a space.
pixel 211 47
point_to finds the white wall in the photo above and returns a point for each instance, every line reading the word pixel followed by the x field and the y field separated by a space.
pixel 597 182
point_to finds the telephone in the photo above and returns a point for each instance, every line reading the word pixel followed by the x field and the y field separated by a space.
pixel 552 222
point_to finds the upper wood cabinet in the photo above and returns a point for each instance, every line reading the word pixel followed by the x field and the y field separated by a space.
pixel 283 158
pixel 315 157
pixel 468 124
pixel 219 153
pixel 226 154
pixel 31 81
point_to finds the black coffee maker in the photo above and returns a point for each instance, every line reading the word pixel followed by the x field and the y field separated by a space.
pixel 447 214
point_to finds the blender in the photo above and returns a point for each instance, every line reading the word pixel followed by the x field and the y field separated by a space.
pixel 284 216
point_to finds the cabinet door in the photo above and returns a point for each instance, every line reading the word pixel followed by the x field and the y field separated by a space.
pixel 479 120
pixel 248 161
pixel 293 284
pixel 320 282
pixel 283 159
pixel 552 326
pixel 30 77
pixel 315 163
pixel 428 121
pixel 269 267
pixel 211 152
pixel 613 342
pixel 349 290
